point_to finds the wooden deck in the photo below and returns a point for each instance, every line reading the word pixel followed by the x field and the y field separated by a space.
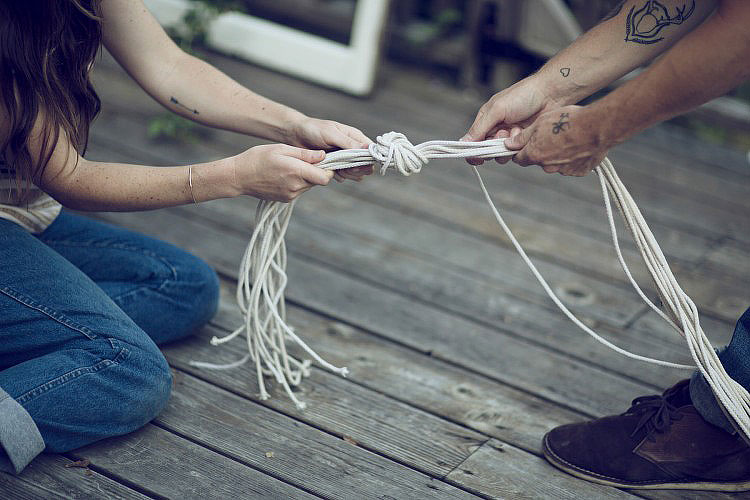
pixel 459 362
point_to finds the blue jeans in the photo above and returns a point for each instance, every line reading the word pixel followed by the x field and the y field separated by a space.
pixel 736 361
pixel 84 306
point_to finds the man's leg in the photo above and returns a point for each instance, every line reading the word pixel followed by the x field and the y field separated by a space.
pixel 70 358
pixel 736 361
pixel 679 440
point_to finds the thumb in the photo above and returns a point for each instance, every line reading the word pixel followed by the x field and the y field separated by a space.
pixel 316 175
pixel 483 123
pixel 306 155
pixel 345 141
pixel 519 140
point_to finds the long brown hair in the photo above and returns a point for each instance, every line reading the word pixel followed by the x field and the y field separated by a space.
pixel 47 48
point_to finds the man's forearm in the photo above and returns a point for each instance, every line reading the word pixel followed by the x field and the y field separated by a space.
pixel 635 34
pixel 705 64
pixel 200 92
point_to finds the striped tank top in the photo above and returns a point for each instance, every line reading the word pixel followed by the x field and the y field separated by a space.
pixel 35 213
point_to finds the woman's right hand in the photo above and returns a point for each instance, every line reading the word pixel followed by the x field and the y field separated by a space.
pixel 278 172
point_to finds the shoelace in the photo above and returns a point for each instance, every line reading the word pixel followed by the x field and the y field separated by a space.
pixel 657 413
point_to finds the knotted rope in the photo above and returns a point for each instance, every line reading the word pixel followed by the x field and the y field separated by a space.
pixel 262 275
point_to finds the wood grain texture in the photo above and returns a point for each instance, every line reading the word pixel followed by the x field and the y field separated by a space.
pixel 302 455
pixel 420 326
pixel 49 472
pixel 167 465
pixel 425 382
pixel 502 471
pixel 375 421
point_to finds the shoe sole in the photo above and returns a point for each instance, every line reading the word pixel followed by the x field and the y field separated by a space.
pixel 610 481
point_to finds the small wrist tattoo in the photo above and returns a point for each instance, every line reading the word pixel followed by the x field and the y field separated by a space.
pixel 174 100
pixel 562 124
pixel 565 72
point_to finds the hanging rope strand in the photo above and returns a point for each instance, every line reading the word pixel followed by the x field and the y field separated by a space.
pixel 262 274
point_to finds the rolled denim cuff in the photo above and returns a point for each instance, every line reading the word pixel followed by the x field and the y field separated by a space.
pixel 706 404
pixel 20 440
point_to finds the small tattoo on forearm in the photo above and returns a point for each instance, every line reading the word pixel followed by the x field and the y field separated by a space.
pixel 643 25
pixel 178 103
pixel 565 72
pixel 562 124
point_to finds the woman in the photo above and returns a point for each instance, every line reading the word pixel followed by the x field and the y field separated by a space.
pixel 84 304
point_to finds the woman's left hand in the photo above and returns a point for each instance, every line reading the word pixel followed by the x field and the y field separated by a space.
pixel 328 135
pixel 560 141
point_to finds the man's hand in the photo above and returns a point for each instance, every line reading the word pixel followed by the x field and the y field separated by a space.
pixel 328 135
pixel 507 112
pixel 278 172
pixel 561 141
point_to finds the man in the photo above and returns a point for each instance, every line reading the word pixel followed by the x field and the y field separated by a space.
pixel 681 439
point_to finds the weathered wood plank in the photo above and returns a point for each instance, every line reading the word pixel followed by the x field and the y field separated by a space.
pixel 456 394
pixel 426 382
pixel 673 209
pixel 49 472
pixel 706 186
pixel 718 331
pixel 380 248
pixel 15 488
pixel 376 422
pixel 578 252
pixel 302 456
pixel 170 466
pixel 669 142
pixel 423 327
pixel 462 294
pixel 502 471
pixel 730 257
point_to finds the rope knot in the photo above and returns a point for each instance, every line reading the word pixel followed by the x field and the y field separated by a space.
pixel 393 149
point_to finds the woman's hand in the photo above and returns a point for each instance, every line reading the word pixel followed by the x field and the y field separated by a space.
pixel 278 172
pixel 507 112
pixel 329 135
pixel 562 141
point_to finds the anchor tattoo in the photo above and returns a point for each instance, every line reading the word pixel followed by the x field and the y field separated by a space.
pixel 561 125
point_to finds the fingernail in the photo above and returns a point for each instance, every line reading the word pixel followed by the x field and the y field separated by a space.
pixel 465 138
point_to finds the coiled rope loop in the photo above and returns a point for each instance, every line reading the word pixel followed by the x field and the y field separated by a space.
pixel 262 274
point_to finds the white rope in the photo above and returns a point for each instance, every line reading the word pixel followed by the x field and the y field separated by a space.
pixel 262 274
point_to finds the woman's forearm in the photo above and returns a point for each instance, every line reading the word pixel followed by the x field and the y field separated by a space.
pixel 101 186
pixel 196 90
pixel 618 45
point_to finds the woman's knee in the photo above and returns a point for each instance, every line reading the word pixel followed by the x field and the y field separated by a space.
pixel 147 386
pixel 127 386
pixel 186 302
pixel 199 292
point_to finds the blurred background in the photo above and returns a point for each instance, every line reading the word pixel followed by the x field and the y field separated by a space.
pixel 474 46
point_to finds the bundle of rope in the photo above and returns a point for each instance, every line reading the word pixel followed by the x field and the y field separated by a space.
pixel 262 276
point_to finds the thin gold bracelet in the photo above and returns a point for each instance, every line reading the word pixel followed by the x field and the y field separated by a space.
pixel 190 183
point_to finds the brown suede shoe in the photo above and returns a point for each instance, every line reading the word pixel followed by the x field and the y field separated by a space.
pixel 661 442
